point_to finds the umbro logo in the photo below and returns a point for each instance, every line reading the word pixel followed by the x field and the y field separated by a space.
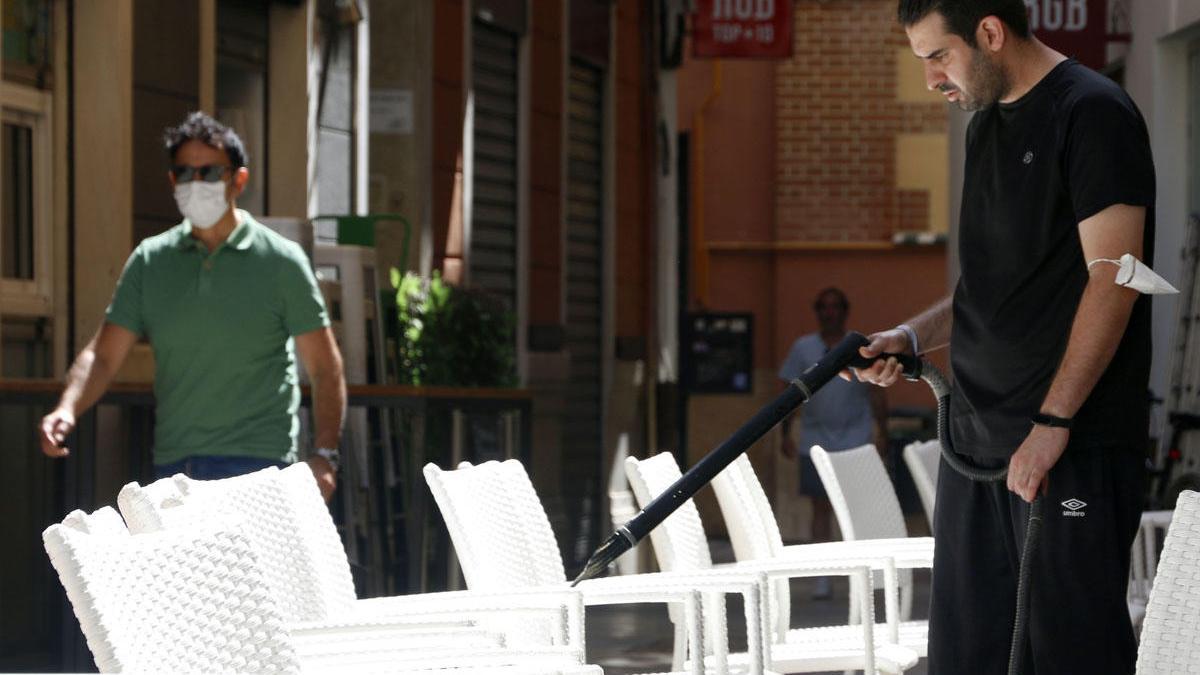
pixel 1074 508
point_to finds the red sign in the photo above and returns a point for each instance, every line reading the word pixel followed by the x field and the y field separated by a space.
pixel 754 29
pixel 1076 28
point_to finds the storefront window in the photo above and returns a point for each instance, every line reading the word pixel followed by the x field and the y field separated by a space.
pixel 16 202
pixel 25 196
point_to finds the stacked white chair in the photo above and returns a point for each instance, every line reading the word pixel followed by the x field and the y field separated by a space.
pixel 1170 643
pixel 503 540
pixel 680 544
pixel 294 536
pixel 197 600
pixel 924 458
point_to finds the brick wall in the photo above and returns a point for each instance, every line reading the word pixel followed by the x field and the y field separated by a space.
pixel 837 118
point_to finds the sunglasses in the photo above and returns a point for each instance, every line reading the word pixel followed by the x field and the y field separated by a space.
pixel 210 173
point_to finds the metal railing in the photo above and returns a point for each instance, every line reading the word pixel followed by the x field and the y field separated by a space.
pixel 394 540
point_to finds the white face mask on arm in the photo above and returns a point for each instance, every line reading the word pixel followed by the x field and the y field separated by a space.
pixel 1133 273
pixel 202 203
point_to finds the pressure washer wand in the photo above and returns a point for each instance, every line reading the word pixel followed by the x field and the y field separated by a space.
pixel 843 355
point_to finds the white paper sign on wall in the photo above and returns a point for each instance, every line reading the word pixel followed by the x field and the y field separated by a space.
pixel 391 111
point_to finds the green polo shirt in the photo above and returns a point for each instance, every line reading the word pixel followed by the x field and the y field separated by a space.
pixel 221 325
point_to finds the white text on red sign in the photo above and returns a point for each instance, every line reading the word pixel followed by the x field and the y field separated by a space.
pixel 743 10
pixel 1071 15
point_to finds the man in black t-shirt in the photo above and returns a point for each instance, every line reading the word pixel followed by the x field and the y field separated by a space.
pixel 1050 356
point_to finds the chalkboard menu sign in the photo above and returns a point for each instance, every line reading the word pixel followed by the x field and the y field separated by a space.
pixel 718 351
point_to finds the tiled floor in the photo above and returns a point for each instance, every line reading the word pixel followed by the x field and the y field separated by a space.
pixel 638 638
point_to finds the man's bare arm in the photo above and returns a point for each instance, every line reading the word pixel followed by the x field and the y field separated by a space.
pixel 933 325
pixel 1104 309
pixel 87 380
pixel 323 362
pixel 1096 332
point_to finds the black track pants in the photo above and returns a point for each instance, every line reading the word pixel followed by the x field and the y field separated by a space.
pixel 1078 619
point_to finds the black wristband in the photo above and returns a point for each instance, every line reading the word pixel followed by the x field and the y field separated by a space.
pixel 1052 421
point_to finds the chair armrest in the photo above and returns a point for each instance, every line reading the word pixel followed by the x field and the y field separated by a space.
pixel 907 553
pixel 319 639
pixel 445 660
pixel 563 605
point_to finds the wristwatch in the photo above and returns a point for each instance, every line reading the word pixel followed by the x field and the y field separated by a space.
pixel 331 455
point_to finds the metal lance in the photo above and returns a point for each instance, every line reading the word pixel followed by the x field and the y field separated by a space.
pixel 843 355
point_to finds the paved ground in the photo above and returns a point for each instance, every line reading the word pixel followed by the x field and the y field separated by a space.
pixel 638 638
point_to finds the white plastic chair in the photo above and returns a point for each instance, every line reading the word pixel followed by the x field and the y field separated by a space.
pixel 864 501
pixel 1171 630
pixel 754 533
pixel 923 459
pixel 196 601
pixel 1144 562
pixel 297 542
pixel 503 540
pixel 680 544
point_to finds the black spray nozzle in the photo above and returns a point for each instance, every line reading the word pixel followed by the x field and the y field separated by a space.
pixel 616 544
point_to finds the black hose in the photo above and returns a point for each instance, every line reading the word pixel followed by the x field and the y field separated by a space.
pixel 941 389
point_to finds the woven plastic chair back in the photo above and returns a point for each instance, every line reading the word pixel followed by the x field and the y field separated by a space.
pixel 753 530
pixel 104 521
pixel 923 459
pixel 1171 630
pixel 501 534
pixel 500 531
pixel 180 601
pixel 679 542
pixel 861 492
pixel 865 504
pixel 285 519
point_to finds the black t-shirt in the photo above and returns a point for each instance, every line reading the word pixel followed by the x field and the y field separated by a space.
pixel 1035 168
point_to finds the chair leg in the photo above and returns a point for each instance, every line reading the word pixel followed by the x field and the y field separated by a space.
pixel 679 654
pixel 855 601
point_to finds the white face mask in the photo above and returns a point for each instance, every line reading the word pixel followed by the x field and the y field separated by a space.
pixel 201 203
pixel 1133 273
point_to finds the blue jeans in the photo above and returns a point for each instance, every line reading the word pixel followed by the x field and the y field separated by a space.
pixel 210 467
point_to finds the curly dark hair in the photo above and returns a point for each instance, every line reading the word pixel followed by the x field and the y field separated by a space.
pixel 963 16
pixel 199 126
pixel 836 293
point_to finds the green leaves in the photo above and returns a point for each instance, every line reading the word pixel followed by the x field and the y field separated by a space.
pixel 453 336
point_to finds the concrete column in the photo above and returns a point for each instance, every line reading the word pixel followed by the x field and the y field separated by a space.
pixel 401 81
pixel 291 119
pixel 207 22
pixel 103 121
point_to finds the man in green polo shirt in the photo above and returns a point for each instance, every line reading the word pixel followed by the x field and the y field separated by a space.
pixel 227 305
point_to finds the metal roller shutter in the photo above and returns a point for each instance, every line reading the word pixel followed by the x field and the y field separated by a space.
pixel 585 227
pixel 493 261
